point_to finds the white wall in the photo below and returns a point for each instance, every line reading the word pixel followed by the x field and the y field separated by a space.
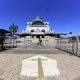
pixel 38 28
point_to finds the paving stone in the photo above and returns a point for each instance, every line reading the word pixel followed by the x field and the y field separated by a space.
pixel 6 76
pixel 78 78
pixel 1 79
pixel 15 69
pixel 11 63
pixel 1 72
pixel 18 77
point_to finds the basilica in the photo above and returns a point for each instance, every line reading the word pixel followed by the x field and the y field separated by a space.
pixel 39 28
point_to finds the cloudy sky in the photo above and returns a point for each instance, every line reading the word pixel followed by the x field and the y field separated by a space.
pixel 63 15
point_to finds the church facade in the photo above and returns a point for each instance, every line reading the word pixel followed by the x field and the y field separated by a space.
pixel 39 28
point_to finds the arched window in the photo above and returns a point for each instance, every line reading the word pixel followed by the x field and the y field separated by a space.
pixel 43 30
pixel 32 30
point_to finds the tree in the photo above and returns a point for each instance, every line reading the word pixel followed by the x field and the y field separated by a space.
pixel 13 29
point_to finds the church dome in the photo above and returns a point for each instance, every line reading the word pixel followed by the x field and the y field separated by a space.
pixel 38 21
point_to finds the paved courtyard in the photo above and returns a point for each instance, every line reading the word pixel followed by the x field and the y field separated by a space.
pixel 11 63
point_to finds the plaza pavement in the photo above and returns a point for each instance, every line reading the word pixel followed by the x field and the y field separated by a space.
pixel 11 63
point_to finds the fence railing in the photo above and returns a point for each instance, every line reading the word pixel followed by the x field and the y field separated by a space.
pixel 8 43
pixel 71 45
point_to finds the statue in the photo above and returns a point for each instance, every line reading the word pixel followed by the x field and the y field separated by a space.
pixel 40 41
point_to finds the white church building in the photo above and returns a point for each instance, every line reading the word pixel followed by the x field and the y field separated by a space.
pixel 39 28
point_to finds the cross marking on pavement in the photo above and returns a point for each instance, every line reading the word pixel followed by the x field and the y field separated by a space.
pixel 40 68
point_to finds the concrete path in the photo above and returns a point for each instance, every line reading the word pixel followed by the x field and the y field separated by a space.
pixel 11 64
